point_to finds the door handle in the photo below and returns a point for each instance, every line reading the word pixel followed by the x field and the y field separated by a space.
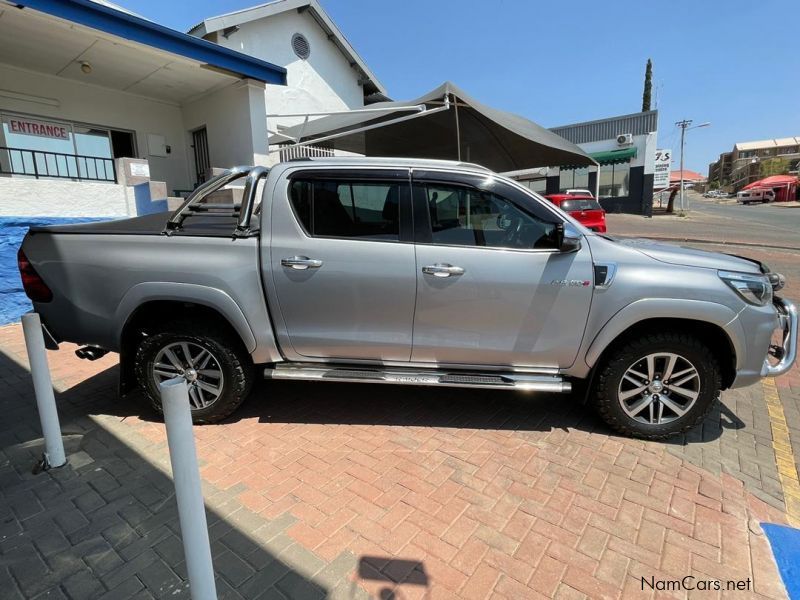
pixel 442 270
pixel 301 263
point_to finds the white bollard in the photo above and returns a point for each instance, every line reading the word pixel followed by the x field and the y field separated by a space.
pixel 43 389
pixel 188 493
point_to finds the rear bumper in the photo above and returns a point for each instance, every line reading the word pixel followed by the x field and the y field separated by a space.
pixel 787 351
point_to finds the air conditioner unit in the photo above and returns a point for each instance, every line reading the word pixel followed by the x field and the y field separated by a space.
pixel 625 139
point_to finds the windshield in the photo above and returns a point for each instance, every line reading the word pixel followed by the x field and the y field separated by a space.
pixel 581 204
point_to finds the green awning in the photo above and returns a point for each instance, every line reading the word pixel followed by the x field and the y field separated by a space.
pixel 614 157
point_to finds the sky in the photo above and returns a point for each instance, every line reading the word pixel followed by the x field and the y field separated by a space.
pixel 734 63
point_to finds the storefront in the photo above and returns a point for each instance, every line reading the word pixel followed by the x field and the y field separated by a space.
pixel 625 149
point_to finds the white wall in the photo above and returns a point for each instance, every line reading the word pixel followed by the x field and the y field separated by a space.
pixel 325 81
pixel 24 197
pixel 58 98
pixel 234 121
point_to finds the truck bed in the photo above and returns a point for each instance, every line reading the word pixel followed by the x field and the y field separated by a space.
pixel 198 225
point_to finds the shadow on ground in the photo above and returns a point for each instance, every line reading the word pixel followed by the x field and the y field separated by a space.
pixel 106 526
pixel 394 405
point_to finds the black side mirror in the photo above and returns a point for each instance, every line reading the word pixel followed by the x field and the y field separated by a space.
pixel 568 239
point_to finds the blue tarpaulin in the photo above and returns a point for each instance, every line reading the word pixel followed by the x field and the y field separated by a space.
pixel 13 302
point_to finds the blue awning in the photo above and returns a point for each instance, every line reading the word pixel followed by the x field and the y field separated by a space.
pixel 136 29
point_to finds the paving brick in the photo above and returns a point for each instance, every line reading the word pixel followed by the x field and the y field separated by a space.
pixel 510 498
pixel 82 584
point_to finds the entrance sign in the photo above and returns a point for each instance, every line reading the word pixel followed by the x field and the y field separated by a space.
pixel 39 128
pixel 661 170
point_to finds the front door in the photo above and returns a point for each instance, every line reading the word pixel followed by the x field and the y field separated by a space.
pixel 492 289
pixel 342 262
pixel 202 162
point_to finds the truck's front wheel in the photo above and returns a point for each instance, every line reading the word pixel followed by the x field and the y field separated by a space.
pixel 656 385
pixel 217 369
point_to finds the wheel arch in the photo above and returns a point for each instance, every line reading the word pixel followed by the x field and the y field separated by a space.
pixel 148 305
pixel 715 324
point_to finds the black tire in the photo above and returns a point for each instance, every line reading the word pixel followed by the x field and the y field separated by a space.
pixel 630 354
pixel 232 358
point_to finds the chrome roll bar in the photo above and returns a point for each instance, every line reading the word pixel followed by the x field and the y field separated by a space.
pixel 245 211
pixel 255 175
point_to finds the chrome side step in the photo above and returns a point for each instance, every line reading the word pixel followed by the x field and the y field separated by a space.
pixel 493 381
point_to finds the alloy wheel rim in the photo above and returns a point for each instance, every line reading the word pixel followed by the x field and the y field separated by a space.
pixel 659 388
pixel 196 365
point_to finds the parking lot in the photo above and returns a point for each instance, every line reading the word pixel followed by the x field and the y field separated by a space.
pixel 355 490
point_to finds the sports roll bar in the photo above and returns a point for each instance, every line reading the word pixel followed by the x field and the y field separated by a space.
pixel 255 175
pixel 192 204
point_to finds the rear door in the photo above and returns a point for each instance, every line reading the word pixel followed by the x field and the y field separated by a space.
pixel 492 289
pixel 342 264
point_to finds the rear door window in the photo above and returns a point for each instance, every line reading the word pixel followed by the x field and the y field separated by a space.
pixel 348 209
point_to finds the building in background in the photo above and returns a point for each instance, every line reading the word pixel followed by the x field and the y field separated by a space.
pixel 751 161
pixel 719 171
pixel 625 147
pixel 85 84
pixel 324 72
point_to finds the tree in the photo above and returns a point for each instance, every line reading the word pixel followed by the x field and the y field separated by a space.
pixel 774 166
pixel 671 203
pixel 648 86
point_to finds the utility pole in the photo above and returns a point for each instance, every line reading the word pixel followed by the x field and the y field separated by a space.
pixel 684 125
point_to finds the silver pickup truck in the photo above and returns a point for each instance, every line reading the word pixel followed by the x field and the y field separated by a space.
pixel 404 271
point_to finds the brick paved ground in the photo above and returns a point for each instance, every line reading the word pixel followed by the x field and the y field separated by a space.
pixel 341 490
pixel 351 491
pixel 746 448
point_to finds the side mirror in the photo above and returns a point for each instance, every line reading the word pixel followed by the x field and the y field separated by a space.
pixel 568 239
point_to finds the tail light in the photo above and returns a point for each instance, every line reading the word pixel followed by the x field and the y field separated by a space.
pixel 35 287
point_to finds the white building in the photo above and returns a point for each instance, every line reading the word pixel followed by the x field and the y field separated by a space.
pixel 86 83
pixel 625 148
pixel 324 73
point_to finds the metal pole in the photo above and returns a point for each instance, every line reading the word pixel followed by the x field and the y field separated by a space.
pixel 683 125
pixel 43 389
pixel 458 130
pixel 189 495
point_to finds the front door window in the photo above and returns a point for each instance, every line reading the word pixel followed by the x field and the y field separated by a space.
pixel 465 216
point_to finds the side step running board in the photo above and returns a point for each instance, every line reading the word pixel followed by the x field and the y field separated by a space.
pixel 494 381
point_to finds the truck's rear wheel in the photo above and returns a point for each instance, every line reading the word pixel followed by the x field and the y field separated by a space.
pixel 217 369
pixel 657 385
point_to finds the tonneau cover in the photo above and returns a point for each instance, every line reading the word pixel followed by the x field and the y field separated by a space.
pixel 196 225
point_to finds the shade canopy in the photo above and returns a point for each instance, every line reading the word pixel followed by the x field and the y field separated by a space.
pixel 773 181
pixel 468 130
pixel 614 157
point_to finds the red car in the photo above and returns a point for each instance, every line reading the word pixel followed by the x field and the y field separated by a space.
pixel 584 209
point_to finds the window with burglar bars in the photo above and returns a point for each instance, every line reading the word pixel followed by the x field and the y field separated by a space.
pixel 288 151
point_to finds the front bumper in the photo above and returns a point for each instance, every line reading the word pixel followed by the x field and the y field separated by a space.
pixel 787 351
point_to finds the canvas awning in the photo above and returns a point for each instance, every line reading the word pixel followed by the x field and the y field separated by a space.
pixel 614 157
pixel 466 130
